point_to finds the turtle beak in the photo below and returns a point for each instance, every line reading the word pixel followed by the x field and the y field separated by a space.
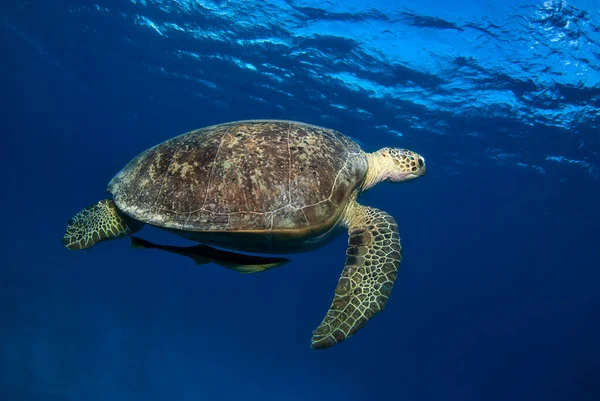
pixel 420 172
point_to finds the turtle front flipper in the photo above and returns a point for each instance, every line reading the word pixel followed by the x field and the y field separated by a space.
pixel 99 222
pixel 372 262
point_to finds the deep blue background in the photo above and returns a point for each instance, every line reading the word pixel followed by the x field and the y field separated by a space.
pixel 498 293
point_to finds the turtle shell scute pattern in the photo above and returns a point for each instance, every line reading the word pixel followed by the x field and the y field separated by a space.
pixel 261 175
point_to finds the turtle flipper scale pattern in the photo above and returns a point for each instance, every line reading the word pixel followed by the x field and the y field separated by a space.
pixel 96 223
pixel 372 262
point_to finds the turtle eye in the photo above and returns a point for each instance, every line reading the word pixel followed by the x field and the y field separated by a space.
pixel 421 162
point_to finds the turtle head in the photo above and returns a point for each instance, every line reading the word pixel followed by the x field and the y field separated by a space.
pixel 406 164
pixel 395 165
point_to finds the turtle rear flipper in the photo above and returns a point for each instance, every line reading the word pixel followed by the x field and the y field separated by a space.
pixel 99 222
pixel 372 262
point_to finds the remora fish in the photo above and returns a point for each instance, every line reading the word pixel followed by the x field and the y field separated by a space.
pixel 203 254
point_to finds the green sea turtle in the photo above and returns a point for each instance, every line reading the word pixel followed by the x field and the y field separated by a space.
pixel 265 186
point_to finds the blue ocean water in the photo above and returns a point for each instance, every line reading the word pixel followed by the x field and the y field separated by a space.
pixel 498 294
